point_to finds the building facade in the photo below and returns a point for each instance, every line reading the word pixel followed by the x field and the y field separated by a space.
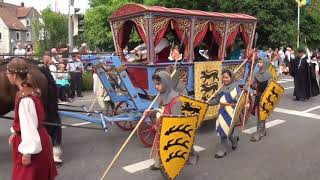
pixel 16 26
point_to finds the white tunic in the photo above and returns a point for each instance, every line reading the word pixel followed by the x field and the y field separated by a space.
pixel 30 138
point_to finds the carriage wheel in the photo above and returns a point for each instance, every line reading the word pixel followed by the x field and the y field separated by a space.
pixel 147 131
pixel 125 125
pixel 244 116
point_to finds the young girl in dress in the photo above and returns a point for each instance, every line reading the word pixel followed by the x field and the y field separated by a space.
pixel 227 97
pixel 31 144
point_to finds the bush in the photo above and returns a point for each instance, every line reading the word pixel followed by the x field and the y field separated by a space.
pixel 87 81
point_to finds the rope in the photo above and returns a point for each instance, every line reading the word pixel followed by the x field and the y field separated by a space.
pixel 60 125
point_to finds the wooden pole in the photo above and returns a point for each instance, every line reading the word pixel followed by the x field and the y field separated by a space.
pixel 248 94
pixel 132 133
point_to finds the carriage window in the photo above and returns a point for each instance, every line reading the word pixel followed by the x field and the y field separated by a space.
pixel 207 50
pixel 237 50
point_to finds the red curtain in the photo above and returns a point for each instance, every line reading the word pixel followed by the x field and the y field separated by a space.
pixel 124 34
pixel 160 34
pixel 141 33
pixel 183 37
pixel 216 35
pixel 232 37
pixel 200 36
pixel 245 35
pixel 218 38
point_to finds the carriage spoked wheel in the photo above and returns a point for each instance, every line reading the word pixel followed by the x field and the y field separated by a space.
pixel 147 130
pixel 125 125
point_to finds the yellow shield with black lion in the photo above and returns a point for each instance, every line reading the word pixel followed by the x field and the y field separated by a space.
pixel 270 99
pixel 192 106
pixel 176 140
pixel 238 111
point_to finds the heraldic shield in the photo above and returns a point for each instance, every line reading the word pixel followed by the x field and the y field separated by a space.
pixel 238 110
pixel 191 106
pixel 175 144
pixel 273 72
pixel 270 99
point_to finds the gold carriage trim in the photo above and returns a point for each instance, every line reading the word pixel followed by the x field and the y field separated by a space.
pixel 232 28
pixel 159 23
pixel 199 26
pixel 239 75
pixel 219 25
pixel 117 25
pixel 141 22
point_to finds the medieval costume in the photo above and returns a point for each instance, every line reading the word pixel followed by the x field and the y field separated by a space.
pixel 305 83
pixel 170 101
pixel 260 83
pixel 227 97
pixel 31 138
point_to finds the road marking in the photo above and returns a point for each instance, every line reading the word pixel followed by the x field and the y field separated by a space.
pixel 284 81
pixel 311 109
pixel 78 124
pixel 147 163
pixel 297 113
pixel 268 125
pixel 289 88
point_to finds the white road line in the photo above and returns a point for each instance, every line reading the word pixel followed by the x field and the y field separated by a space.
pixel 289 88
pixel 78 124
pixel 311 109
pixel 297 113
pixel 147 163
pixel 268 125
pixel 284 81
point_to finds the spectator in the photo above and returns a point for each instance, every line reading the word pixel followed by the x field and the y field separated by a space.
pixel 63 84
pixel 19 51
pixel 29 50
pixel 47 60
pixel 75 68
pixel 84 49
pixel 55 56
pixel 281 56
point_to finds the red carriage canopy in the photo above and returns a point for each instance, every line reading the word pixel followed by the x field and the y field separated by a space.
pixel 190 26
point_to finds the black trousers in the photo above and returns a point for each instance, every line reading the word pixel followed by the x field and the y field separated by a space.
pixel 63 92
pixel 75 84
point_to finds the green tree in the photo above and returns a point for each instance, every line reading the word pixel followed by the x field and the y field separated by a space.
pixel 277 24
pixel 53 27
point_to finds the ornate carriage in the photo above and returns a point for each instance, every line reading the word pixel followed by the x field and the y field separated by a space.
pixel 191 28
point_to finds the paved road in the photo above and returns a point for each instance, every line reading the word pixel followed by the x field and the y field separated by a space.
pixel 290 151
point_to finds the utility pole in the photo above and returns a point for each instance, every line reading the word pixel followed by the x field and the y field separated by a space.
pixel 70 26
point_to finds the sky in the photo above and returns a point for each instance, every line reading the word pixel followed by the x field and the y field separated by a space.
pixel 59 5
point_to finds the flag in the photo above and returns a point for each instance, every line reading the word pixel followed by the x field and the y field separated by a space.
pixel 303 2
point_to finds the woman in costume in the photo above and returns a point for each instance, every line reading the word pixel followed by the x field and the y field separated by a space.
pixel 260 83
pixel 170 101
pixel 31 144
pixel 227 97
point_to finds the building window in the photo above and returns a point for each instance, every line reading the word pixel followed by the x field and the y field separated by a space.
pixel 28 36
pixel 18 36
pixel 28 22
pixel 0 36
